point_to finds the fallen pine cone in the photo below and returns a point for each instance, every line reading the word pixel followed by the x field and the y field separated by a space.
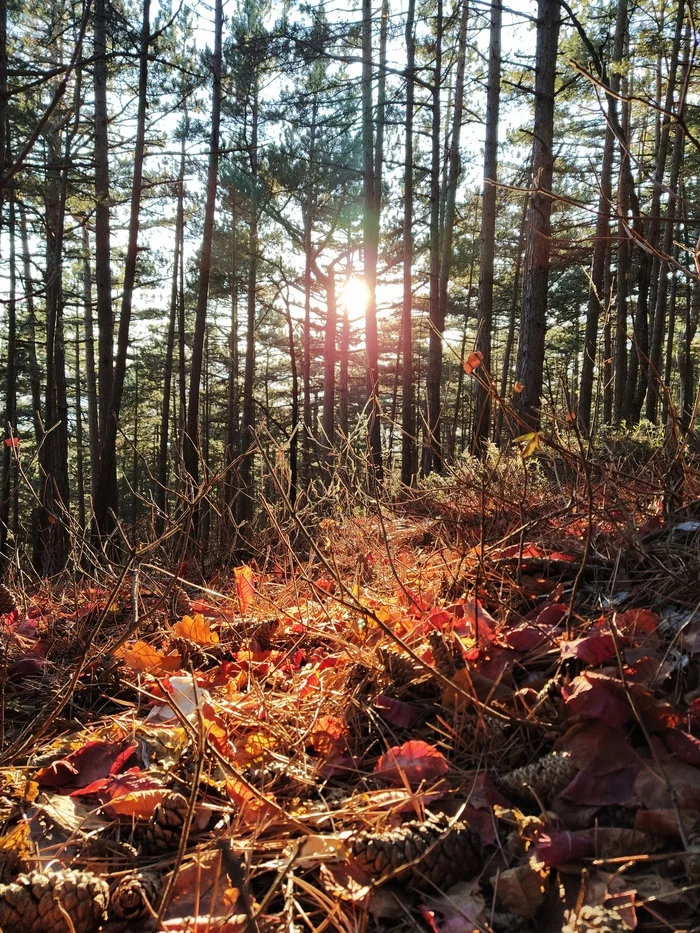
pixel 192 654
pixel 163 831
pixel 133 895
pixel 8 602
pixel 65 901
pixel 540 781
pixel 433 852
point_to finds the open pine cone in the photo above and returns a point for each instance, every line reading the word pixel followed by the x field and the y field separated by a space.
pixel 540 781
pixel 65 901
pixel 164 829
pixel 8 602
pixel 435 852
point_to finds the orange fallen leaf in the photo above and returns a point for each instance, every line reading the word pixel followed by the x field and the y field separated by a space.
pixel 244 587
pixel 196 628
pixel 328 737
pixel 139 803
pixel 143 658
pixel 412 762
pixel 254 807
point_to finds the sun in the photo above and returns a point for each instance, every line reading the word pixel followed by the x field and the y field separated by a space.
pixel 354 296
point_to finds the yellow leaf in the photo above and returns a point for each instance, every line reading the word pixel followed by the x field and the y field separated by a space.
pixel 529 443
pixel 256 746
pixel 141 657
pixel 139 803
pixel 196 629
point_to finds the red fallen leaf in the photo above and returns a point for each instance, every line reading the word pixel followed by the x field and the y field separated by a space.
pixel 601 790
pixel 326 586
pixel 244 587
pixel 439 618
pixel 133 794
pixel 657 714
pixel 551 614
pixel 412 762
pixel 558 846
pixel 309 685
pixel 683 745
pixel 483 793
pixel 12 441
pixel 593 650
pixel 596 747
pixel 637 622
pixel 561 555
pixel 329 736
pixel 476 622
pixel 597 696
pixel 526 638
pixel 399 714
pixel 343 766
pixel 514 550
pixel 483 822
pixel 254 807
pixel 27 667
pixel 93 761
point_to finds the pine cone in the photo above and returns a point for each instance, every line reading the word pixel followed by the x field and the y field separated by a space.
pixel 593 920
pixel 691 859
pixel 164 829
pixel 133 894
pixel 444 654
pixel 65 901
pixel 540 781
pixel 263 634
pixel 180 603
pixel 8 602
pixel 485 732
pixel 402 669
pixel 192 654
pixel 434 852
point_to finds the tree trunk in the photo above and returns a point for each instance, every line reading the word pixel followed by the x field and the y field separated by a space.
pixel 408 403
pixel 161 489
pixel 90 374
pixel 482 396
pixel 244 502
pixel 328 418
pixel 232 421
pixel 529 367
pixel 107 499
pixel 515 302
pixel 10 427
pixel 192 451
pixel 660 268
pixel 103 272
pixel 294 435
pixel 432 459
pixel 79 458
pixel 372 206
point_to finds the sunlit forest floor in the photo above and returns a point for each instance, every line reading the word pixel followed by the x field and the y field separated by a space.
pixel 476 707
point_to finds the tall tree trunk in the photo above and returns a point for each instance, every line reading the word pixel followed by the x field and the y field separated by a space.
pixel 232 421
pixel 372 205
pixel 309 218
pixel 244 502
pixel 328 418
pixel 103 271
pixel 408 403
pixel 192 451
pixel 161 489
pixel 90 374
pixel 10 427
pixel 294 428
pixel 28 291
pixel 601 250
pixel 650 274
pixel 79 457
pixel 529 367
pixel 107 499
pixel 515 303
pixel 660 268
pixel 482 397
pixel 432 455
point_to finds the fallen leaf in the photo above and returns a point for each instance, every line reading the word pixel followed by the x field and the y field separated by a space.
pixel 597 696
pixel 144 659
pixel 329 736
pixel 522 890
pixel 244 587
pixel 412 763
pixel 462 909
pixel 196 628
pixel 93 761
pixel 399 714
pixel 593 650
pixel 556 847
pixel 597 748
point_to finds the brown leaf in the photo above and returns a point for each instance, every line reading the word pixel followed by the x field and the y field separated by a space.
pixel 522 890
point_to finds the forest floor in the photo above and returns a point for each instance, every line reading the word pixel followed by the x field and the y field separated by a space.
pixel 478 709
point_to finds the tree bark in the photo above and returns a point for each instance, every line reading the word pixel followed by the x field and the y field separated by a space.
pixel 408 403
pixel 529 367
pixel 192 451
pixel 90 373
pixel 482 396
pixel 432 456
pixel 328 417
pixel 107 499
